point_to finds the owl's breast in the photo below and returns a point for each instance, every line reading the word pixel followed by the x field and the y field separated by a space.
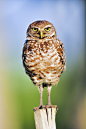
pixel 43 63
pixel 49 54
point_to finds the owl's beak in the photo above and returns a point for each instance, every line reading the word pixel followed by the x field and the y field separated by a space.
pixel 41 34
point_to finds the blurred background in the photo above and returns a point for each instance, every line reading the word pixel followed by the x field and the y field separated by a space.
pixel 18 95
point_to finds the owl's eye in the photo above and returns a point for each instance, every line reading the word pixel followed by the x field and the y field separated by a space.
pixel 35 29
pixel 47 29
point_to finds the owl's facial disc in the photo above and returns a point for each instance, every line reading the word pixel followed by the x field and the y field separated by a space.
pixel 41 30
pixel 41 33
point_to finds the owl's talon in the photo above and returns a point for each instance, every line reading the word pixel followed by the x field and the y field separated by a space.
pixel 41 106
pixel 51 106
pixel 48 106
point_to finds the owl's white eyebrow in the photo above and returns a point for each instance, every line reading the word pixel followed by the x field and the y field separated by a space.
pixel 47 26
pixel 33 27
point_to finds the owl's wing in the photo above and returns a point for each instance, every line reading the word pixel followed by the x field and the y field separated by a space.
pixel 24 52
pixel 61 52
pixel 24 55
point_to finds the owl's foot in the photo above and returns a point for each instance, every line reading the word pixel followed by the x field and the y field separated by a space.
pixel 40 106
pixel 51 106
pixel 48 106
pixel 37 108
pixel 45 107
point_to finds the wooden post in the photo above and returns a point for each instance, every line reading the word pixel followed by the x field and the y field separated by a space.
pixel 45 117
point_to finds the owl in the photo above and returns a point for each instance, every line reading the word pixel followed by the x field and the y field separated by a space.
pixel 43 56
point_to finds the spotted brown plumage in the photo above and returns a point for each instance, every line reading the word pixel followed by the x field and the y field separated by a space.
pixel 43 56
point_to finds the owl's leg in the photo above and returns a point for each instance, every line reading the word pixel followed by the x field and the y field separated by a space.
pixel 41 93
pixel 49 90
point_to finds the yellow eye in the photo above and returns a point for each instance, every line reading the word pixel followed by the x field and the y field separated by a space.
pixel 47 29
pixel 35 29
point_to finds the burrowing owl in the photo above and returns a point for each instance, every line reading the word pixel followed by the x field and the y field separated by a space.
pixel 43 56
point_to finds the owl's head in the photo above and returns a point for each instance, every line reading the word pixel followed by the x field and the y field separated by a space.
pixel 41 30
